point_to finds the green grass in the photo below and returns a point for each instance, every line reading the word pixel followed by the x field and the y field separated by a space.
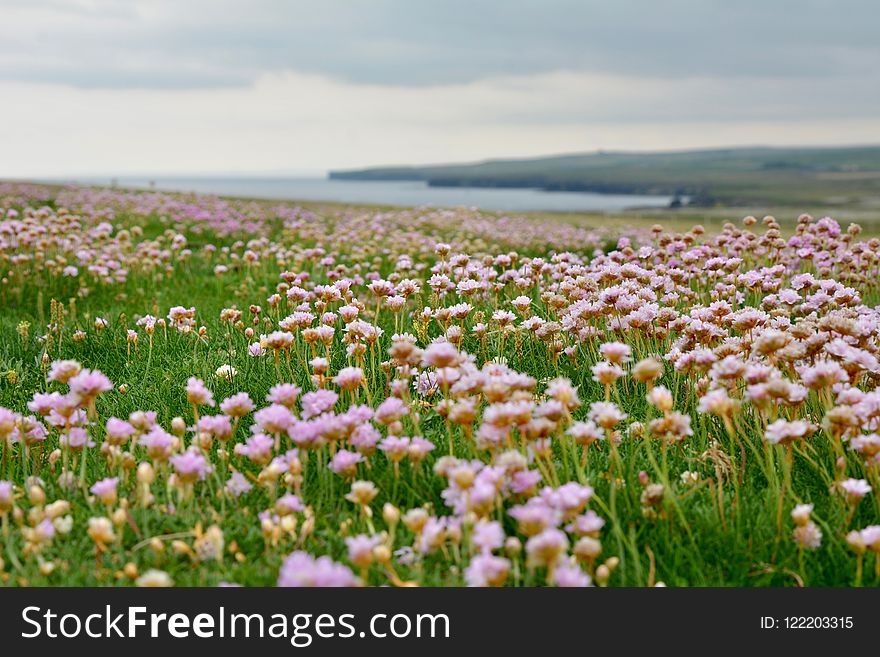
pixel 704 537
pixel 792 177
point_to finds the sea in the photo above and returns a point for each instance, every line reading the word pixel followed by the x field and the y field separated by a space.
pixel 391 193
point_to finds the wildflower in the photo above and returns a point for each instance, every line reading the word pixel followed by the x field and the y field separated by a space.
pixel 546 548
pixel 86 385
pixel 647 371
pixel 274 419
pixel 101 532
pixel 395 447
pixel 617 353
pixel 317 402
pixel 419 448
pixel 287 504
pixel 197 393
pixel 564 392
pixel 154 579
pixel 661 398
pixel 237 405
pixel 226 372
pixel 570 575
pixel 487 536
pixel 63 370
pixel 349 378
pixel 607 374
pixel 237 485
pixel 118 431
pixel 441 354
pixel 345 463
pixel 105 490
pixel 854 489
pixel 7 500
pixel 285 394
pixel 191 466
pixel 301 569
pixel 606 414
pixel 360 549
pixel 487 570
pixel 158 443
pixel 782 432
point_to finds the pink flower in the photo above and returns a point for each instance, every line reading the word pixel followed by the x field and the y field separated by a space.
pixel 119 431
pixel 570 575
pixel 105 490
pixel 87 385
pixel 487 535
pixel 63 370
pixel 301 569
pixel 258 448
pixel 395 447
pixel 487 570
pixel 285 394
pixel 158 443
pixel 782 432
pixel 391 410
pixel 317 402
pixel 349 378
pixel 344 463
pixel 237 484
pixel 274 419
pixel 191 466
pixel 238 405
pixel 197 393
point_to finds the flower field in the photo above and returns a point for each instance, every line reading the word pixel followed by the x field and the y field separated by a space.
pixel 199 391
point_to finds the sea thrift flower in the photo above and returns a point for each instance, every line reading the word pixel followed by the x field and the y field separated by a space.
pixel 301 569
pixel 226 372
pixel 118 431
pixel 154 579
pixel 238 405
pixel 360 549
pixel 285 394
pixel 87 385
pixel 546 548
pixel 349 378
pixel 569 576
pixel 345 463
pixel 317 402
pixel 237 485
pixel 197 393
pixel 854 489
pixel 487 570
pixel 63 370
pixel 191 466
pixel 783 432
pixel 7 501
pixel 105 490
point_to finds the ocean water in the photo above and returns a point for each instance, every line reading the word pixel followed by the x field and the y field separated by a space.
pixel 398 193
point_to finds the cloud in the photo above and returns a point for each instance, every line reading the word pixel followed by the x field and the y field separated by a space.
pixel 116 86
pixel 215 43
pixel 296 121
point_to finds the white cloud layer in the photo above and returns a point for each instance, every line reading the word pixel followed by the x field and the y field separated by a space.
pixel 296 122
pixel 111 87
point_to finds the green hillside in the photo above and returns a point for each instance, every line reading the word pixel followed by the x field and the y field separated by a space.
pixel 733 176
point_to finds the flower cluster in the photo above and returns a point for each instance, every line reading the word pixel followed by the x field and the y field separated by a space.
pixel 355 397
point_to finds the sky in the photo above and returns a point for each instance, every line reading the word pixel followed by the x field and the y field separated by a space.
pixel 129 87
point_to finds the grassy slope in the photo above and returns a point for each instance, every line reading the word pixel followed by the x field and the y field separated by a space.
pixel 691 547
pixel 784 176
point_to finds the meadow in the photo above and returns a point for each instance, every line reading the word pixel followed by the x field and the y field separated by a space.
pixel 206 391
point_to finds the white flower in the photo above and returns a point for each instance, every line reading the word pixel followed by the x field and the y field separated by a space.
pixel 63 525
pixel 154 579
pixel 226 372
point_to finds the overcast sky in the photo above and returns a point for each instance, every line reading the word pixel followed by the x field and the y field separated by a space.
pixel 112 87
